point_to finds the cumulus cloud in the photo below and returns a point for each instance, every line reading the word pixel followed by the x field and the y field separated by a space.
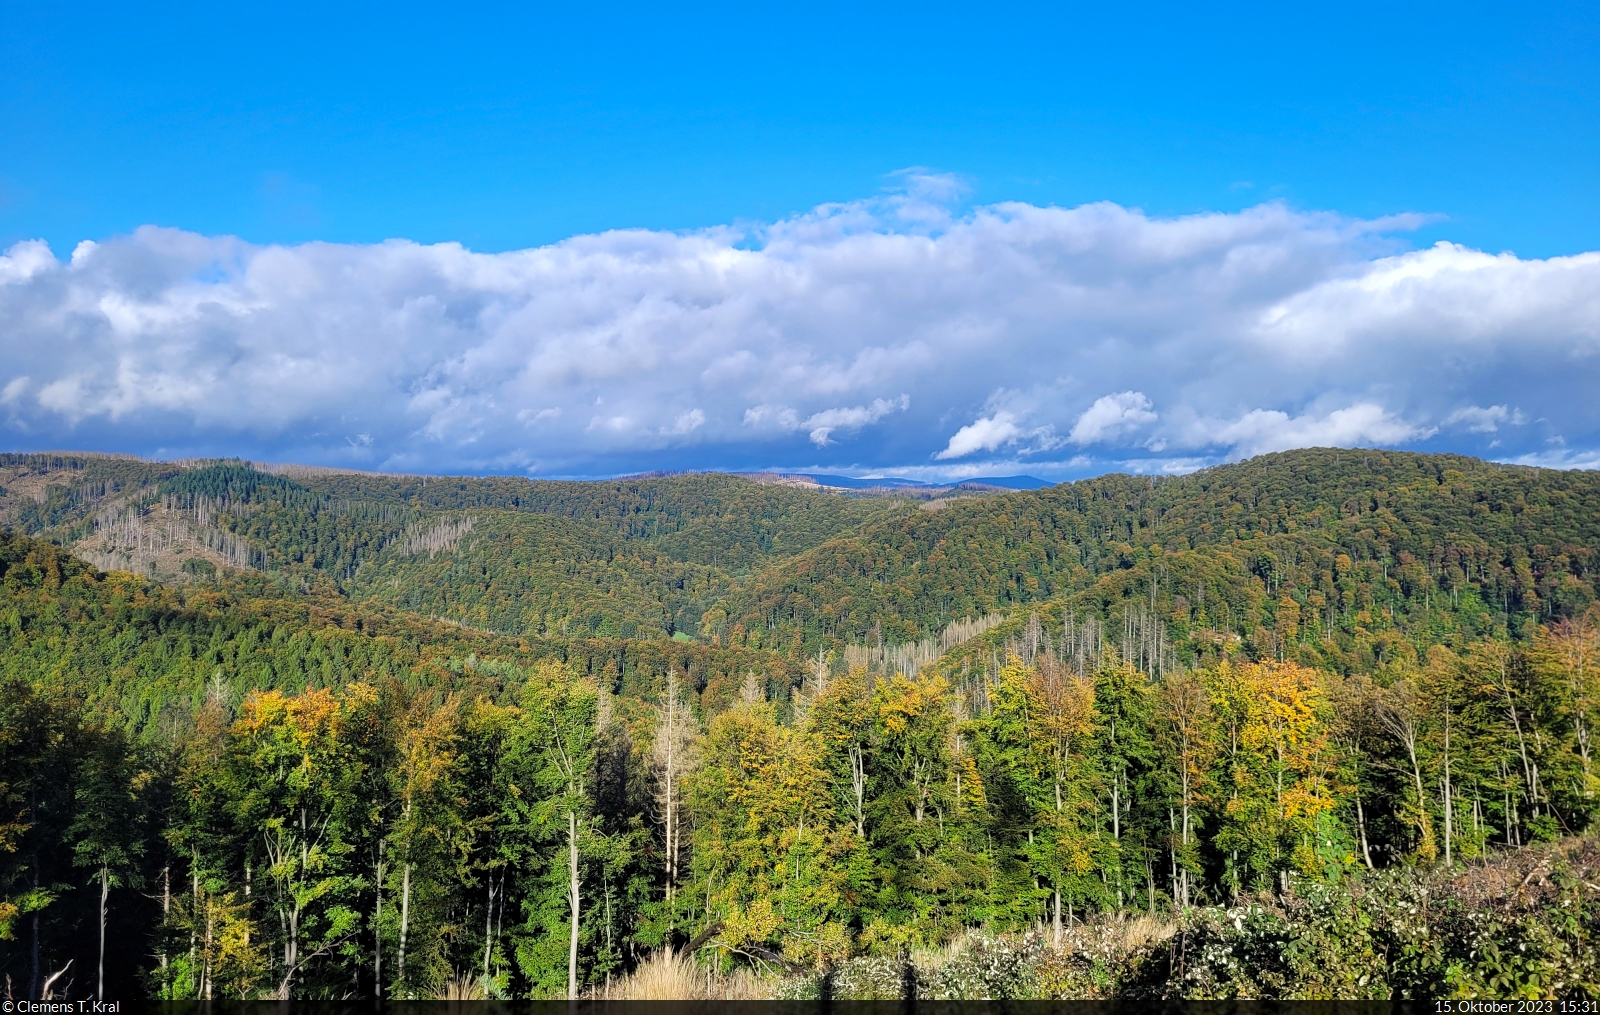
pixel 874 334
pixel 1263 430
pixel 687 422
pixel 985 434
pixel 1111 416
pixel 820 426
pixel 1002 429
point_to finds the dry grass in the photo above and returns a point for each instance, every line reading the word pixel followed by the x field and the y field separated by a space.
pixel 1127 934
pixel 462 987
pixel 668 976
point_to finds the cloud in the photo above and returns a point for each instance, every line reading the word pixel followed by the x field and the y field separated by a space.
pixel 530 416
pixel 686 422
pixel 821 426
pixel 1562 458
pixel 985 434
pixel 1477 419
pixel 1110 416
pixel 1263 430
pixel 904 331
pixel 779 416
pixel 1002 428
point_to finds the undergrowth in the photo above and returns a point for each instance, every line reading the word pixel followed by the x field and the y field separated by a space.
pixel 1523 924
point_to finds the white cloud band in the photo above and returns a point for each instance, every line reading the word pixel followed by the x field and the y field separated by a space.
pixel 882 333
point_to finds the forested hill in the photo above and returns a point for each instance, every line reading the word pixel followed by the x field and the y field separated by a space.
pixel 1339 549
pixel 727 521
pixel 1334 555
pixel 142 654
pixel 626 558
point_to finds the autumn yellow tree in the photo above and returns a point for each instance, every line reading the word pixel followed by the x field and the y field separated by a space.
pixel 1279 768
pixel 425 839
pixel 768 860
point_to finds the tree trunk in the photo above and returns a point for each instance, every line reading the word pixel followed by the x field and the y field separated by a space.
pixel 1116 813
pixel 1057 919
pixel 670 773
pixel 1423 822
pixel 33 981
pixel 858 784
pixel 194 913
pixel 377 932
pixel 205 975
pixel 405 919
pixel 488 925
pixel 1361 824
pixel 1449 822
pixel 100 971
pixel 1516 725
pixel 572 947
pixel 1150 886
pixel 166 909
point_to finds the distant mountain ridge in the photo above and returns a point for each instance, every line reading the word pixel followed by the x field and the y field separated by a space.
pixel 830 481
pixel 1337 555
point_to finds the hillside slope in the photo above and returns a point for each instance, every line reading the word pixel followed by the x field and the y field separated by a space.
pixel 1290 681
pixel 635 558
pixel 123 646
pixel 1332 555
pixel 1317 544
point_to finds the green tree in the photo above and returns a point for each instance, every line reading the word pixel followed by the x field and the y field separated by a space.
pixel 552 755
pixel 296 782
pixel 1047 716
pixel 107 827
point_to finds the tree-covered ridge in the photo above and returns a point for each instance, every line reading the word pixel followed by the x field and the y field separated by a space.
pixel 723 521
pixel 1271 681
pixel 727 521
pixel 1340 554
pixel 634 558
pixel 132 650
pixel 1350 543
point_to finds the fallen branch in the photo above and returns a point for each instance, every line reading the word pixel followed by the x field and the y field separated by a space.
pixel 699 940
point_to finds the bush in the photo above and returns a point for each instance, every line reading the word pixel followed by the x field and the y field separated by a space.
pixel 1523 924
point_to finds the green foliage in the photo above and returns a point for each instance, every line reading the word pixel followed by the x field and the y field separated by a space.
pixel 1521 927
pixel 145 654
pixel 232 482
pixel 632 559
pixel 539 576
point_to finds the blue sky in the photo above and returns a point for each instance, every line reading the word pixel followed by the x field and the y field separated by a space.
pixel 826 141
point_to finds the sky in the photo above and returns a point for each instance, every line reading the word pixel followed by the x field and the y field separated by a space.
pixel 929 241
